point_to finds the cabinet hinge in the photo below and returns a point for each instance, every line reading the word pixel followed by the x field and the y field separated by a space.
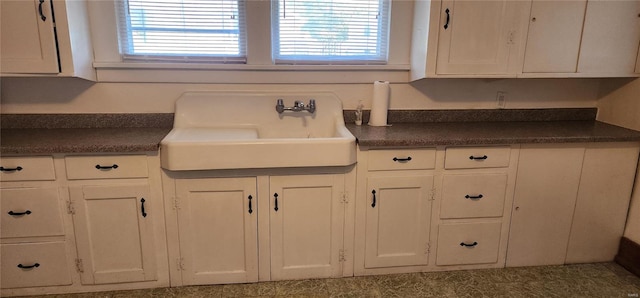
pixel 511 38
pixel 342 257
pixel 176 203
pixel 345 197
pixel 70 208
pixel 432 194
pixel 427 249
pixel 180 263
pixel 79 266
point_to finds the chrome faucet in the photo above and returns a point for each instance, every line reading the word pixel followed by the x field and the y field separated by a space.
pixel 298 106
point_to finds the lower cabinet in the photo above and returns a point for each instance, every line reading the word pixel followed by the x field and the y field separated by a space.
pixel 114 233
pixel 398 221
pixel 218 227
pixel 571 202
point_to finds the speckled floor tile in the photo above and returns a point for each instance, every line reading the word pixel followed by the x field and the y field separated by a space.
pixel 412 285
pixel 262 289
pixel 353 287
pixel 302 288
pixel 448 276
pixel 623 274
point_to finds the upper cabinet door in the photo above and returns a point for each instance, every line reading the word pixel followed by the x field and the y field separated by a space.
pixel 610 37
pixel 555 30
pixel 27 39
pixel 479 37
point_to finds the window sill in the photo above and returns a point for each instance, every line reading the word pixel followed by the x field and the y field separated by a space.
pixel 249 74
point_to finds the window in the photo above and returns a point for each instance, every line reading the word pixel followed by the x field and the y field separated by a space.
pixel 182 30
pixel 330 31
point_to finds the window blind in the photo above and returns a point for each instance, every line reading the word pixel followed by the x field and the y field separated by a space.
pixel 330 31
pixel 182 30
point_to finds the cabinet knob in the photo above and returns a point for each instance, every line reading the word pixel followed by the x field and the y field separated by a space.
pixel 533 19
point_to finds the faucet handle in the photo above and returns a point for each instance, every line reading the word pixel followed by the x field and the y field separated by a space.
pixel 312 106
pixel 279 106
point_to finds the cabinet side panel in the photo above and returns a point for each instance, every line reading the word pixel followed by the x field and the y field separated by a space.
pixel 603 201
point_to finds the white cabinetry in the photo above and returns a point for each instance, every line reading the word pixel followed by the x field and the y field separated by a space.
pixel 246 228
pixel 571 202
pixel 218 226
pixel 35 41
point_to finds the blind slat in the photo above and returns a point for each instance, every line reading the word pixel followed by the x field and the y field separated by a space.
pixel 182 30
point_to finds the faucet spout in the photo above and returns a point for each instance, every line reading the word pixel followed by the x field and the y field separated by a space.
pixel 298 106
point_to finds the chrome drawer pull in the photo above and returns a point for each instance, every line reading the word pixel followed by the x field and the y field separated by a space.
pixel 469 245
pixel 36 265
pixel 478 197
pixel 18 168
pixel 19 213
pixel 478 157
pixel 99 167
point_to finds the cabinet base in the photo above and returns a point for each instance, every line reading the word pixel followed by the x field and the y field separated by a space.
pixel 629 255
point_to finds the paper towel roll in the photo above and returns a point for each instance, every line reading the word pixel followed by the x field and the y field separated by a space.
pixel 379 104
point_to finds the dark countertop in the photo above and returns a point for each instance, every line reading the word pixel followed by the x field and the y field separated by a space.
pixel 478 133
pixel 81 140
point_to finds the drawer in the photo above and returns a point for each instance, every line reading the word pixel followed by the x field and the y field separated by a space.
pixel 465 244
pixel 106 166
pixel 475 195
pixel 477 157
pixel 27 168
pixel 30 212
pixel 402 159
pixel 50 260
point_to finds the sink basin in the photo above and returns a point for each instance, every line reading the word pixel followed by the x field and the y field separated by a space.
pixel 241 130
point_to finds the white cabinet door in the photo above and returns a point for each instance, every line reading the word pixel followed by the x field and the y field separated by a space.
pixel 610 37
pixel 27 42
pixel 114 233
pixel 217 221
pixel 555 31
pixel 545 196
pixel 478 37
pixel 603 202
pixel 306 226
pixel 398 221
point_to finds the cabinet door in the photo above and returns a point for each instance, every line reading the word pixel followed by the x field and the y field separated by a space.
pixel 545 196
pixel 114 233
pixel 555 31
pixel 603 202
pixel 610 37
pixel 27 42
pixel 217 221
pixel 398 221
pixel 477 37
pixel 306 225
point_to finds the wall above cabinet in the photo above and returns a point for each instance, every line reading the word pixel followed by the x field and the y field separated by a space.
pixel 37 42
pixel 528 39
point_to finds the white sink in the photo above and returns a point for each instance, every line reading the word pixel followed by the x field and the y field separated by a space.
pixel 240 130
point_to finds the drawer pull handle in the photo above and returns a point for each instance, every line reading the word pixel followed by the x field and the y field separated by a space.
pixel 36 265
pixel 275 196
pixel 144 214
pixel 99 167
pixel 468 245
pixel 18 168
pixel 250 208
pixel 446 25
pixel 19 213
pixel 478 197
pixel 402 159
pixel 373 205
pixel 478 157
pixel 40 11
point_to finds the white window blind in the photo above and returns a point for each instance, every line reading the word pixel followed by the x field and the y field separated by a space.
pixel 330 31
pixel 182 30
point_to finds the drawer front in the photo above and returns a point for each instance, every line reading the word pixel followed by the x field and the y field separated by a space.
pixel 106 166
pixel 468 196
pixel 27 168
pixel 477 157
pixel 30 212
pixel 402 159
pixel 465 244
pixel 49 261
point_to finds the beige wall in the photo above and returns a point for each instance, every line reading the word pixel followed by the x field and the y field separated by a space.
pixel 67 95
pixel 620 105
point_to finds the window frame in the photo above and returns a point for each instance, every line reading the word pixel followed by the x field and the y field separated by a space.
pixel 259 68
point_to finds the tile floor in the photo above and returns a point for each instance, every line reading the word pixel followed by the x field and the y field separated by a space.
pixel 585 280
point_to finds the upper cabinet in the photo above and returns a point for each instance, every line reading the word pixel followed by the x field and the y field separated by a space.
pixel 35 41
pixel 534 38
